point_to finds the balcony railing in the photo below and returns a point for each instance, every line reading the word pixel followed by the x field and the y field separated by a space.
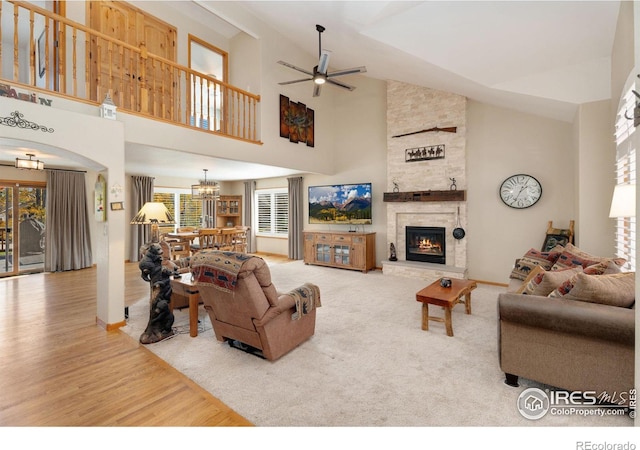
pixel 43 50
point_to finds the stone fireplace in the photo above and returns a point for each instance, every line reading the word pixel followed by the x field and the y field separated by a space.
pixel 412 108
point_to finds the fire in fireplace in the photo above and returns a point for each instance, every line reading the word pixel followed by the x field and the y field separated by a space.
pixel 426 244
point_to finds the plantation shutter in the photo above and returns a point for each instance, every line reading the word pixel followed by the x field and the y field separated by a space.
pixel 625 231
pixel 264 213
pixel 281 213
pixel 625 173
pixel 273 212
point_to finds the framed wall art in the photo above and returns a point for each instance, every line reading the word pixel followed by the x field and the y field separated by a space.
pixel 296 122
pixel 424 153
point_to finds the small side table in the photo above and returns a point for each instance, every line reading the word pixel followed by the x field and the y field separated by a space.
pixel 435 294
pixel 184 286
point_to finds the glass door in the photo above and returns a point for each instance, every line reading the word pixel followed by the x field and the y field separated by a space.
pixel 22 229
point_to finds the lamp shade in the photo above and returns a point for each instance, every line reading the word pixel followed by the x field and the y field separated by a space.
pixel 153 212
pixel 623 203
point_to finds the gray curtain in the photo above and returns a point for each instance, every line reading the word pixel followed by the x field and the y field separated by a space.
pixel 142 192
pixel 296 218
pixel 67 233
pixel 249 195
pixel 209 213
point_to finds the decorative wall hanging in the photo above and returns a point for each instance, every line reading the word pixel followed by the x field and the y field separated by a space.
pixel 20 94
pixel 296 122
pixel 424 153
pixel 100 195
pixel 16 120
pixel 428 130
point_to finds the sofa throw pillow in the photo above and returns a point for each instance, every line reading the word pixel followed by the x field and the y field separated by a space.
pixel 604 267
pixel 533 274
pixel 572 256
pixel 547 281
pixel 616 289
pixel 532 259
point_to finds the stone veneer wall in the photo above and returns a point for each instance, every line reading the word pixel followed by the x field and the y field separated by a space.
pixel 412 108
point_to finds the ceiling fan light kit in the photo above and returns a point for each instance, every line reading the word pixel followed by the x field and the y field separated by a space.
pixel 320 74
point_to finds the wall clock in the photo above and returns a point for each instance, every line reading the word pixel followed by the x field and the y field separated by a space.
pixel 520 191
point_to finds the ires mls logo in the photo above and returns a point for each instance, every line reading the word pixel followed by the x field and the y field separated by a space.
pixel 534 403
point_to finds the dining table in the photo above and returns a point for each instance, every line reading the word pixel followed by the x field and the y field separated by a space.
pixel 190 235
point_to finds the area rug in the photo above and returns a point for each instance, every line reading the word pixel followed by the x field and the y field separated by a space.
pixel 368 364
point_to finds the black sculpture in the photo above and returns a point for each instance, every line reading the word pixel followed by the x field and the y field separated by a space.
pixel 392 250
pixel 159 278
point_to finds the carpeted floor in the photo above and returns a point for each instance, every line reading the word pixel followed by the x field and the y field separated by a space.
pixel 369 363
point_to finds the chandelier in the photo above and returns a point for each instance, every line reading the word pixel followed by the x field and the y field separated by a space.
pixel 29 164
pixel 206 190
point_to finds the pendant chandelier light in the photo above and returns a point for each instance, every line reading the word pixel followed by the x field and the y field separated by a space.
pixel 206 190
pixel 29 164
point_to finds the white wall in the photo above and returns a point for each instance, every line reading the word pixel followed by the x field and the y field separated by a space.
pixel 500 143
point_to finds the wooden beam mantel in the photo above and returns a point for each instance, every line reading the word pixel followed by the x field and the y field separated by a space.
pixel 425 196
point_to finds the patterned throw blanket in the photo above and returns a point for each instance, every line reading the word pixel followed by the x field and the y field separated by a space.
pixel 307 298
pixel 217 268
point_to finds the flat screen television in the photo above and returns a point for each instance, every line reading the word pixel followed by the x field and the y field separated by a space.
pixel 348 204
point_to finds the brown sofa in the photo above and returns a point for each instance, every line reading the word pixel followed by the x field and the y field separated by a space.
pixel 572 344
pixel 246 310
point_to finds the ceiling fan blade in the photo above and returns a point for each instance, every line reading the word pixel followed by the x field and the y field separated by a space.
pixel 323 64
pixel 339 84
pixel 316 90
pixel 295 81
pixel 339 73
pixel 291 66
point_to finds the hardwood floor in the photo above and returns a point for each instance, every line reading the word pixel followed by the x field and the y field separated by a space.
pixel 61 369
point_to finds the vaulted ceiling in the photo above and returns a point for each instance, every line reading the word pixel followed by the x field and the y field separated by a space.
pixel 541 57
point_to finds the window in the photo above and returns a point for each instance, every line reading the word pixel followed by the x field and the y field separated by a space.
pixel 186 211
pixel 625 173
pixel 272 212
pixel 206 96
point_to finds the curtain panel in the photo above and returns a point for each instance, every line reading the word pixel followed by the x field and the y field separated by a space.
pixel 67 233
pixel 142 192
pixel 249 196
pixel 296 218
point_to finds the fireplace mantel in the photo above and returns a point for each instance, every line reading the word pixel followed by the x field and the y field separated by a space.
pixel 425 196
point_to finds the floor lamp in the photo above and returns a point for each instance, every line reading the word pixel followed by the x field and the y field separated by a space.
pixel 160 315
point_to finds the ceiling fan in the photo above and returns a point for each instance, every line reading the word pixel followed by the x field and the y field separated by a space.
pixel 320 76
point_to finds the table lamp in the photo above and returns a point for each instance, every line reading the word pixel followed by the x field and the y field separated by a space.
pixel 623 203
pixel 153 213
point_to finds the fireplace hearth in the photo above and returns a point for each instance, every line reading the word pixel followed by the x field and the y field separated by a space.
pixel 426 244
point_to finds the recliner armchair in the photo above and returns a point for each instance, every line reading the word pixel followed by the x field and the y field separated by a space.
pixel 245 307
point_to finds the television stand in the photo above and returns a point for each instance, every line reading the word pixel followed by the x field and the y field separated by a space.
pixel 345 250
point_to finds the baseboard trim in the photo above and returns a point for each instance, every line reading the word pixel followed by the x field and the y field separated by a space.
pixel 110 326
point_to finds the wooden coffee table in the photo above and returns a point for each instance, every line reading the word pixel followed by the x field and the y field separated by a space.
pixel 184 286
pixel 434 294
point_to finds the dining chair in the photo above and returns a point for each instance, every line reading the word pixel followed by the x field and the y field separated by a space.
pixel 240 239
pixel 226 239
pixel 179 248
pixel 207 238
